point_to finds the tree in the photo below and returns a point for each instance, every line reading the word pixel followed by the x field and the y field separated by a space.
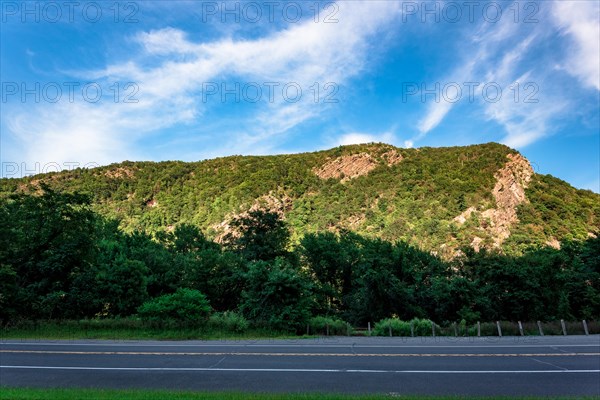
pixel 331 260
pixel 277 295
pixel 259 236
pixel 47 241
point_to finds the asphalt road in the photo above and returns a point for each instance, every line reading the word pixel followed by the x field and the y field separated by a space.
pixel 450 366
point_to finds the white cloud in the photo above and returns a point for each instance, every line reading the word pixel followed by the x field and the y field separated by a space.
pixel 581 21
pixel 501 54
pixel 170 72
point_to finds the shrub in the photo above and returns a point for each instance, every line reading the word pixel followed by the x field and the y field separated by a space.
pixel 398 327
pixel 186 306
pixel 228 321
pixel 420 327
pixel 318 325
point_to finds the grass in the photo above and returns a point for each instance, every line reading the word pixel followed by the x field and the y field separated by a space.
pixel 128 329
pixel 109 394
pixel 134 329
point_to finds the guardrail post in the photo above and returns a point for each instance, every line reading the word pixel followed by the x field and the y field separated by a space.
pixel 585 328
pixel 539 324
pixel 499 329
pixel 521 329
pixel 478 329
pixel 564 328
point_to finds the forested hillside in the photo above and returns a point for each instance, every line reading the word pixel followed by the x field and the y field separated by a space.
pixel 438 199
pixel 61 260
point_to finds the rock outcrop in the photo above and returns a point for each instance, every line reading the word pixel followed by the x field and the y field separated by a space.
pixel 347 167
pixel 509 191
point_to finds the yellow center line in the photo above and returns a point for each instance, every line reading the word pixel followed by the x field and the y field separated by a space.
pixel 135 353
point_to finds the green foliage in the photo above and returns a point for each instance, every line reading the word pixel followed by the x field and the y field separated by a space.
pixel 277 295
pixel 47 241
pixel 326 325
pixel 229 321
pixel 260 235
pixel 414 200
pixel 61 260
pixel 185 306
pixel 416 327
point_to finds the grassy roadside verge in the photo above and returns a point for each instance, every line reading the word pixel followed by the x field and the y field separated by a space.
pixel 103 394
pixel 128 330
pixel 135 329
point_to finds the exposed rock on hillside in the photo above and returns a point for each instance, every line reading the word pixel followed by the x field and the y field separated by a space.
pixel 509 192
pixel 392 157
pixel 347 167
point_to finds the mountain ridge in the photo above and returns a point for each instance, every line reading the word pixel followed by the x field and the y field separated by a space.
pixel 440 199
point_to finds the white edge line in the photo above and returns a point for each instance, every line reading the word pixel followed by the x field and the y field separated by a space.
pixel 576 371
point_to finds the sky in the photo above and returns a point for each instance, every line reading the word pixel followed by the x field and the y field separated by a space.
pixel 93 83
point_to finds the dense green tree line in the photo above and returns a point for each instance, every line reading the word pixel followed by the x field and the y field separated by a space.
pixel 61 260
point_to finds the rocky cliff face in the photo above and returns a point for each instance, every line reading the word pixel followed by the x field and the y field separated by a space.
pixel 509 192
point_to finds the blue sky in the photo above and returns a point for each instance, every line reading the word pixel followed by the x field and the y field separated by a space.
pixel 101 82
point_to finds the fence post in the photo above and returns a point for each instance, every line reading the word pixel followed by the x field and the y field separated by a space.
pixel 564 328
pixel 432 328
pixel 327 327
pixel 307 329
pixel 540 328
pixel 478 329
pixel 455 329
pixel 499 329
pixel 412 329
pixel 369 327
pixel 585 328
pixel 521 328
pixel 390 329
pixel 347 329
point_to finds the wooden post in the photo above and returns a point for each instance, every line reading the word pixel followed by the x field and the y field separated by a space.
pixel 499 329
pixel 564 328
pixel 478 329
pixel 585 328
pixel 539 324
pixel 521 329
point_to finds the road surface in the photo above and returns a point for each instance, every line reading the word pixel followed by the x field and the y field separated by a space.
pixel 436 366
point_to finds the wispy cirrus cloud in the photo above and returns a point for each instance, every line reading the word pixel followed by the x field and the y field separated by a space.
pixel 580 20
pixel 172 70
pixel 501 54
